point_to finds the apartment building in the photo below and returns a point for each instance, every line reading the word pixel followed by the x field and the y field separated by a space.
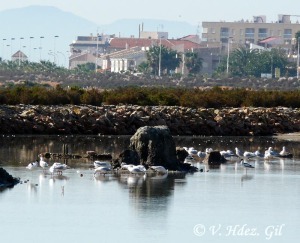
pixel 257 31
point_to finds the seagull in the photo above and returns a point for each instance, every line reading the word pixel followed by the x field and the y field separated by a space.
pixel 227 153
pixel 202 154
pixel 102 170
pixel 258 153
pixel 159 169
pixel 268 155
pixel 283 151
pixel 246 165
pixel 98 163
pixel 33 165
pixel 246 154
pixel 43 163
pixel 239 153
pixel 125 166
pixel 135 169
pixel 192 151
pixel 273 152
pixel 58 167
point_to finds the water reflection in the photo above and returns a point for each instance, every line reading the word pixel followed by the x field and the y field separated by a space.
pixel 150 192
pixel 102 177
pixel 246 177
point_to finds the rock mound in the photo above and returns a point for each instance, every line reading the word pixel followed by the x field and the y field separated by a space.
pixel 153 146
pixel 6 180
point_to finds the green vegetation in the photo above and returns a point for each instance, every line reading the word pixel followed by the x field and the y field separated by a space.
pixel 193 63
pixel 213 98
pixel 252 63
pixel 169 59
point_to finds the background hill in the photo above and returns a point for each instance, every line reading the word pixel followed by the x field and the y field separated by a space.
pixel 46 21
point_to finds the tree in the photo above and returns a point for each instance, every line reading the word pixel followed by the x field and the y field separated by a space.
pixel 168 59
pixel 193 62
pixel 144 67
pixel 85 68
pixel 245 62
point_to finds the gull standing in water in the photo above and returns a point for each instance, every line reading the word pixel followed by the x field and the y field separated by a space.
pixel 159 169
pixel 98 163
pixel 33 165
pixel 246 165
pixel 43 163
pixel 136 169
pixel 102 170
pixel 58 168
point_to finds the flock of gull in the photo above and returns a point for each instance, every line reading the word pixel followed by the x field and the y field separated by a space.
pixel 105 167
pixel 100 167
pixel 270 153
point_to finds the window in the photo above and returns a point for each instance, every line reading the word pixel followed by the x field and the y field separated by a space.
pixel 213 31
pixel 262 33
pixel 249 33
pixel 224 32
pixel 287 34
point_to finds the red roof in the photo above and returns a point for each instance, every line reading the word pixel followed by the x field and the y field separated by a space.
pixel 269 39
pixel 123 43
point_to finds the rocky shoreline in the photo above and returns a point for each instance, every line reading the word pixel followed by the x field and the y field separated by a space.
pixel 126 119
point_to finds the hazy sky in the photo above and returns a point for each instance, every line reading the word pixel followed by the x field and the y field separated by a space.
pixel 192 11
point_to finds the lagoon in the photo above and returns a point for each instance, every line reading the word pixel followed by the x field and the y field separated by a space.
pixel 221 205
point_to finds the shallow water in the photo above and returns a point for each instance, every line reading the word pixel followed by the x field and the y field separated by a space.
pixel 228 204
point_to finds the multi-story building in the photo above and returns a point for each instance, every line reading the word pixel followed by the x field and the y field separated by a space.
pixel 257 31
pixel 124 54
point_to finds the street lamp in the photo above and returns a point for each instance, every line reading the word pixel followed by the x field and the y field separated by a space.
pixel 35 53
pixel 21 38
pixel 54 50
pixel 40 47
pixel 159 57
pixel 64 56
pixel 298 42
pixel 11 46
pixel 228 51
pixel 51 53
pixel 3 48
pixel 97 51
pixel 30 38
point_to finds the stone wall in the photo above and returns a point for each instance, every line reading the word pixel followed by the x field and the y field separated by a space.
pixel 126 119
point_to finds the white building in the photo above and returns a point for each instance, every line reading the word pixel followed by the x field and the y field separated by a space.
pixel 19 56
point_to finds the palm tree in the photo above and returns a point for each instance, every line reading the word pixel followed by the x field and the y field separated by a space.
pixel 193 63
pixel 242 61
pixel 168 58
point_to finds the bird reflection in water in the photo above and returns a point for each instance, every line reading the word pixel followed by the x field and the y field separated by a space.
pixel 136 180
pixel 59 177
pixel 246 178
pixel 101 177
pixel 32 188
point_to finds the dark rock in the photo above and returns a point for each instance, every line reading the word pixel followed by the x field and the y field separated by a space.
pixel 155 146
pixel 181 154
pixel 127 156
pixel 214 159
pixel 6 180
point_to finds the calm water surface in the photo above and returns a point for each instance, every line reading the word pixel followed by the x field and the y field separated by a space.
pixel 222 205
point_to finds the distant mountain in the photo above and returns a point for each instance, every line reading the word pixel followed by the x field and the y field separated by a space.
pixel 46 21
pixel 37 21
